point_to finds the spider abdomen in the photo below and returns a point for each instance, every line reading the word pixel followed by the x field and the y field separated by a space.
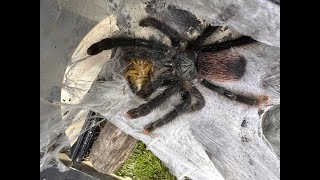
pixel 221 66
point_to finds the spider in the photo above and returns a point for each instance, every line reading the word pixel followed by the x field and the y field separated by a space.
pixel 189 61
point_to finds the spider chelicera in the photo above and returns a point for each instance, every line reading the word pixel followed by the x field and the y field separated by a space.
pixel 189 61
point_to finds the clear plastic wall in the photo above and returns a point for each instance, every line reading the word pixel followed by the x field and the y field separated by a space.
pixel 225 140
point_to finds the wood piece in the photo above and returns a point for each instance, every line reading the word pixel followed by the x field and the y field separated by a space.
pixel 111 149
pixel 85 167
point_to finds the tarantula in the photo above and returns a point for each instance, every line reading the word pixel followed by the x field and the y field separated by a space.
pixel 189 61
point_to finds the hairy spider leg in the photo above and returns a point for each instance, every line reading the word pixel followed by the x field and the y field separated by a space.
pixel 214 47
pixel 109 43
pixel 178 110
pixel 165 29
pixel 200 102
pixel 145 108
pixel 150 87
pixel 150 54
pixel 200 39
pixel 252 101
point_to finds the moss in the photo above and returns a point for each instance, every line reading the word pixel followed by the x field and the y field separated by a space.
pixel 142 164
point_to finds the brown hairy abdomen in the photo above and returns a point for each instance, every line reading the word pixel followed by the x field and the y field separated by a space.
pixel 221 66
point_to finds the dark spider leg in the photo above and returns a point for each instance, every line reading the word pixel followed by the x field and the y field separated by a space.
pixel 154 55
pixel 179 109
pixel 226 44
pixel 200 39
pixel 252 101
pixel 167 30
pixel 200 102
pixel 151 87
pixel 110 43
pixel 146 108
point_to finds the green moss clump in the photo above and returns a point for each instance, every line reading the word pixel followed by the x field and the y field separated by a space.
pixel 144 165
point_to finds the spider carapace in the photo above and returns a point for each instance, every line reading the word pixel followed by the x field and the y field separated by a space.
pixel 193 61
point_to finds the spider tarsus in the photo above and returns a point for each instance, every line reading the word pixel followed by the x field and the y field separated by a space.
pixel 263 100
pixel 98 47
pixel 251 101
pixel 94 49
pixel 127 116
pixel 148 128
pixel 142 110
